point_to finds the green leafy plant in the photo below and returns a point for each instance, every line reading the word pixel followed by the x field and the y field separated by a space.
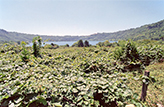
pixel 127 53
pixel 74 76
pixel 37 45
pixel 128 56
pixel 25 53
pixel 151 53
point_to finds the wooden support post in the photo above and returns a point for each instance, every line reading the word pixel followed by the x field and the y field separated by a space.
pixel 144 86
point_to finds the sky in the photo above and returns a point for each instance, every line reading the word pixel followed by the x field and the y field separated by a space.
pixel 77 17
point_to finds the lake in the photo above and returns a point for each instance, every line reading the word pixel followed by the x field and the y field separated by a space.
pixel 70 43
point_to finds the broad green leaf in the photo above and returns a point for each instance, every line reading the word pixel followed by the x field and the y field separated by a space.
pixel 74 90
pixel 96 103
pixel 57 105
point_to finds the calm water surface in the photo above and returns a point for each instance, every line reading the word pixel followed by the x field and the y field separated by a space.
pixel 70 43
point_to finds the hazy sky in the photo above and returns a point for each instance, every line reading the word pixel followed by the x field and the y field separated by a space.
pixel 77 17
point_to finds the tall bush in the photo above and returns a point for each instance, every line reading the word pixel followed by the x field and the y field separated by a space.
pixel 131 51
pixel 37 42
pixel 86 43
pixel 24 54
pixel 127 53
pixel 80 43
pixel 151 53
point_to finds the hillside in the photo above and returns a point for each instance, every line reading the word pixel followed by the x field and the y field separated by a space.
pixel 151 31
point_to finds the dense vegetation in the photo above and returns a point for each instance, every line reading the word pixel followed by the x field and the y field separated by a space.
pixel 153 31
pixel 80 76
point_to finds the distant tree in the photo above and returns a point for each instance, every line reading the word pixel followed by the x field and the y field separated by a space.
pixel 86 43
pixel 80 43
pixel 52 44
pixel 162 38
pixel 107 43
pixel 67 45
pixel 100 44
pixel 47 46
pixel 18 42
pixel 75 44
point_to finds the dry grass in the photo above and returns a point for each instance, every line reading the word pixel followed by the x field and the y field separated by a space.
pixel 155 92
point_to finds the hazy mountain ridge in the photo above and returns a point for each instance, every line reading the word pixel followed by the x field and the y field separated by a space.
pixel 149 31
